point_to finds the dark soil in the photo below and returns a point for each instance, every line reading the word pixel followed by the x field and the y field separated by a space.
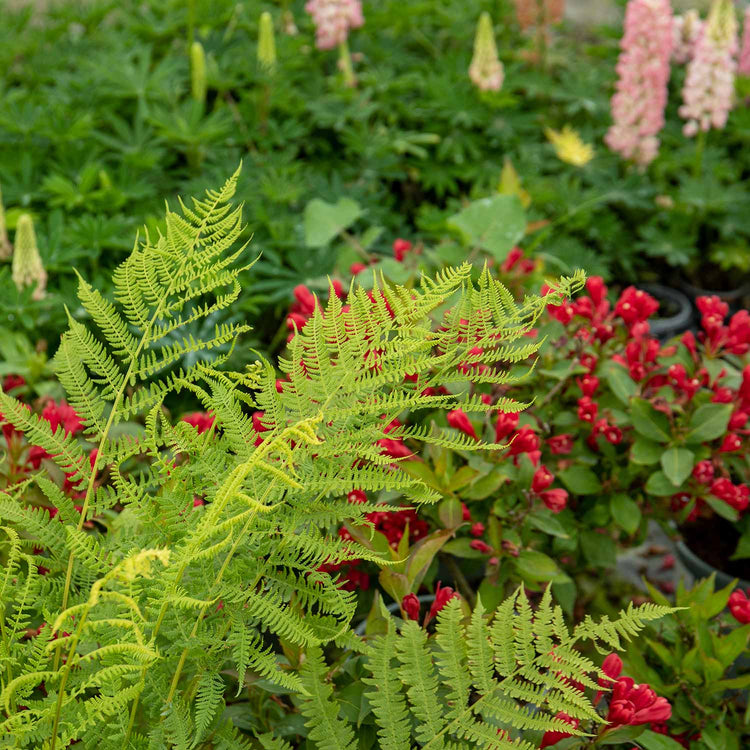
pixel 714 540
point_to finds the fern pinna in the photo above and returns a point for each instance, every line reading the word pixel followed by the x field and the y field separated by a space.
pixel 202 570
pixel 494 681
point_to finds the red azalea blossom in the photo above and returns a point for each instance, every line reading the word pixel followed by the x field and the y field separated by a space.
pixel 703 472
pixel 739 606
pixel 13 381
pixel 356 268
pixel 560 445
pixel 588 384
pixel 731 443
pixel 736 495
pixel 465 513
pixel 357 496
pixel 542 479
pixel 201 420
pixel 552 737
pixel 62 414
pixel 442 596
pixel 505 425
pixel 459 421
pixel 410 605
pixel 632 704
pixel 635 306
pixel 555 500
pixel 525 441
pixel 477 529
pixel 587 409
pixel 400 248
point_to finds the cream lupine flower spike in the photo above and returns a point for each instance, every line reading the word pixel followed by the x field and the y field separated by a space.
pixel 198 85
pixel 6 249
pixel 486 71
pixel 708 93
pixel 266 43
pixel 27 265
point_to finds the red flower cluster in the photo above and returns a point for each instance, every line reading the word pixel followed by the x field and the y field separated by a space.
pixel 393 524
pixel 553 736
pixel 556 499
pixel 411 607
pixel 201 420
pixel 739 606
pixel 401 248
pixel 633 704
pixel 733 338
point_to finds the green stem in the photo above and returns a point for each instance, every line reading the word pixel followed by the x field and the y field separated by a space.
pixel 345 61
pixel 191 23
pixel 700 147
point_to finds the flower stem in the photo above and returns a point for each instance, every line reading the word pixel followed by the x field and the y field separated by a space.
pixel 345 63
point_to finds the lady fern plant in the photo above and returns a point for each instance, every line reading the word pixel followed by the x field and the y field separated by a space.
pixel 495 680
pixel 129 637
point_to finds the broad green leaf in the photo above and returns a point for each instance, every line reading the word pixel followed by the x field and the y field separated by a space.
pixel 619 380
pixel 450 512
pixel 626 513
pixel 485 486
pixel 599 549
pixel 721 508
pixel 422 554
pixel 536 566
pixel 708 422
pixel 619 735
pixel 580 481
pixel 653 741
pixel 677 464
pixel 743 547
pixel 660 485
pixel 546 521
pixel 649 422
pixel 324 221
pixel 645 452
pixel 495 224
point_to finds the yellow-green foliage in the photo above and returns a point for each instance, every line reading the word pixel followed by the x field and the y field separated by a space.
pixel 145 621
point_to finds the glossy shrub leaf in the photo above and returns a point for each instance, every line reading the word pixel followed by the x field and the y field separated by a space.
pixel 649 422
pixel 677 464
pixel 708 422
pixel 580 481
pixel 646 452
pixel 626 513
pixel 619 380
pixel 659 484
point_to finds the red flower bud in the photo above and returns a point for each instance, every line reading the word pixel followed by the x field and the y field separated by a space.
pixel 506 423
pixel 560 445
pixel 458 420
pixel 556 500
pixel 400 249
pixel 739 606
pixel 410 606
pixel 480 546
pixel 477 529
pixel 542 479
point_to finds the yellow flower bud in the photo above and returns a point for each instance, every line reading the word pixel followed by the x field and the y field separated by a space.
pixel 27 265
pixel 486 71
pixel 266 43
pixel 198 72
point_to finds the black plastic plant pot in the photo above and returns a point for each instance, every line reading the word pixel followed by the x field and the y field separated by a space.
pixel 707 546
pixel 675 314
